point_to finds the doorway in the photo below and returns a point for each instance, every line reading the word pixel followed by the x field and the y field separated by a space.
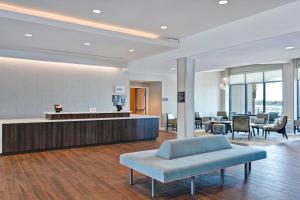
pixel 146 98
pixel 138 101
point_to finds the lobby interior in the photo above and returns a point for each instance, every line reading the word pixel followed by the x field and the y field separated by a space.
pixel 90 89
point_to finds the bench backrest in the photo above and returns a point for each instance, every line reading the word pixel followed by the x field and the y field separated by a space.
pixel 171 149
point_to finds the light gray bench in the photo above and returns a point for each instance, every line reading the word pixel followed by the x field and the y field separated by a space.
pixel 187 158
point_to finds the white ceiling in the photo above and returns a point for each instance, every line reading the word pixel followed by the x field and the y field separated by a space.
pixel 54 39
pixel 183 18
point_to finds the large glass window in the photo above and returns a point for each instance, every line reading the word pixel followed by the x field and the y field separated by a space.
pixel 255 97
pixel 256 92
pixel 237 101
pixel 298 95
pixel 298 113
pixel 274 97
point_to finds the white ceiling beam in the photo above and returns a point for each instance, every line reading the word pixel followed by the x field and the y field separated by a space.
pixel 272 23
pixel 76 27
pixel 53 56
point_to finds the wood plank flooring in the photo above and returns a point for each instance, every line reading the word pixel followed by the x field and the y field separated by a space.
pixel 95 173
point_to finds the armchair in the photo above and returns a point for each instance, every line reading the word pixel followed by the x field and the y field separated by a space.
pixel 273 116
pixel 171 121
pixel 259 121
pixel 241 123
pixel 198 120
pixel 277 127
pixel 222 114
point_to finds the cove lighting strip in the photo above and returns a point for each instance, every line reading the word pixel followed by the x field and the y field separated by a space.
pixel 63 18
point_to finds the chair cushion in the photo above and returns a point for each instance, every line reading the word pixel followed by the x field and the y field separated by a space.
pixel 171 149
pixel 277 122
pixel 259 121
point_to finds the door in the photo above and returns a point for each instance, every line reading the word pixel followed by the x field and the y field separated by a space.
pixel 138 101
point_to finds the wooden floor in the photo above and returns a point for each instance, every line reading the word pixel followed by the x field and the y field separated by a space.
pixel 95 173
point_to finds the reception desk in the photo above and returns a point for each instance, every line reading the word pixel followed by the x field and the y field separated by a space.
pixel 85 115
pixel 26 135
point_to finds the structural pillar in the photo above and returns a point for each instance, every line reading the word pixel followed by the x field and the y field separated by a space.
pixel 185 97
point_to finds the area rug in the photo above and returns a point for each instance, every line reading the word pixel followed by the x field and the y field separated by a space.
pixel 259 140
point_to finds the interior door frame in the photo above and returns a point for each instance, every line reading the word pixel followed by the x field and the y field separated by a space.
pixel 146 98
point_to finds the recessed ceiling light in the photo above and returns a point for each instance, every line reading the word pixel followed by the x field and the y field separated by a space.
pixel 289 48
pixel 28 35
pixel 87 44
pixel 131 50
pixel 97 11
pixel 223 2
pixel 164 27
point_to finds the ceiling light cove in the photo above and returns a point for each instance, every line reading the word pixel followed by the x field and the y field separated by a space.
pixel 97 11
pixel 290 48
pixel 163 27
pixel 73 20
pixel 223 2
pixel 28 35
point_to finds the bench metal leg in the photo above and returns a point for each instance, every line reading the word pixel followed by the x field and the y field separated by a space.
pixel 222 176
pixel 193 185
pixel 246 171
pixel 130 177
pixel 249 166
pixel 152 187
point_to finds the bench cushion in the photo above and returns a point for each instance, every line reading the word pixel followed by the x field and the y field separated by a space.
pixel 171 149
pixel 164 170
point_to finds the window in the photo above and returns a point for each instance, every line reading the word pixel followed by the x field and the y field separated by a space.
pixel 237 79
pixel 255 97
pixel 237 100
pixel 274 97
pixel 257 92
pixel 298 94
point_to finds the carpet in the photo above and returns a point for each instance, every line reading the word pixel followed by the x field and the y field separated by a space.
pixel 258 140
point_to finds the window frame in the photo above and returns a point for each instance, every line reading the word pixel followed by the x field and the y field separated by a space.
pixel 264 92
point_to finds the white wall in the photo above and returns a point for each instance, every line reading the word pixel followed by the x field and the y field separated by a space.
pixel 29 88
pixel 207 93
pixel 169 88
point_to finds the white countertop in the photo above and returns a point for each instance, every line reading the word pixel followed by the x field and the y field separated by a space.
pixel 42 120
pixel 100 112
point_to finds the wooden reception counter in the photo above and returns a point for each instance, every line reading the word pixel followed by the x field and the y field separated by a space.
pixel 85 115
pixel 26 135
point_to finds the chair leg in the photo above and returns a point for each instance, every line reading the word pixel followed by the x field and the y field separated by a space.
pixel 284 133
pixel 265 132
pixel 193 185
pixel 232 135
pixel 152 187
pixel 246 172
pixel 222 177
pixel 131 177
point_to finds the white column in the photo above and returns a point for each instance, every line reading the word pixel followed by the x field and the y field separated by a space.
pixel 185 110
pixel 288 91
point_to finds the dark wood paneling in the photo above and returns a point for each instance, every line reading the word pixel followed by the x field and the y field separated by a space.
pixel 85 115
pixel 51 135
